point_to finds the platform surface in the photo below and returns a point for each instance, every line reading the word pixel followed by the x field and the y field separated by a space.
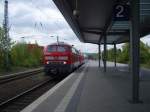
pixel 89 89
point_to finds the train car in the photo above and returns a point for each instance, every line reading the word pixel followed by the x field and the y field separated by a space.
pixel 81 58
pixel 60 59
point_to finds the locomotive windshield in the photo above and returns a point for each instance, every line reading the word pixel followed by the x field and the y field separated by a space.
pixel 61 48
pixel 54 48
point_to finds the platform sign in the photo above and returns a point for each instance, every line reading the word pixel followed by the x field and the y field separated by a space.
pixel 121 12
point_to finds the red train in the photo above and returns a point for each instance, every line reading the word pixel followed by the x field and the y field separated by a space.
pixel 61 58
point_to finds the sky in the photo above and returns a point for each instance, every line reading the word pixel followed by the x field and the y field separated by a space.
pixel 40 21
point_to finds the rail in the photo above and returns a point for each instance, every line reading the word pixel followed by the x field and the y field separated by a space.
pixel 19 75
pixel 4 106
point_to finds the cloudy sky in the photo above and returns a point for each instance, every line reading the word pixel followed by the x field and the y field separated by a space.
pixel 38 21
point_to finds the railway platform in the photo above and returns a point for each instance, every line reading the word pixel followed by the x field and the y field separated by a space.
pixel 89 89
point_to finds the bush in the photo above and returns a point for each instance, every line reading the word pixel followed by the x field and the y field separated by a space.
pixel 1 60
pixel 5 47
pixel 24 56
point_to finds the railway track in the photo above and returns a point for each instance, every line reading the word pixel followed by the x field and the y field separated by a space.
pixel 15 76
pixel 20 101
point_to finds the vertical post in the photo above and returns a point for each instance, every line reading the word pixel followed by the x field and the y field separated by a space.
pixel 105 52
pixel 99 54
pixel 57 39
pixel 129 65
pixel 6 35
pixel 115 51
pixel 134 48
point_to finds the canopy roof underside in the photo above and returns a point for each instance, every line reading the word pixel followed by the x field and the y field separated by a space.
pixel 95 18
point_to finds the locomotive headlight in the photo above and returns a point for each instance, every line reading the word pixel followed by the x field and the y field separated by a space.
pixel 64 62
pixel 63 58
pixel 49 58
pixel 47 62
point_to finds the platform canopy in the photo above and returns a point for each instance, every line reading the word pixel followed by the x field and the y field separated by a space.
pixel 95 18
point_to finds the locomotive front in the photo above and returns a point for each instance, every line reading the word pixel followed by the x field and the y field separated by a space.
pixel 57 59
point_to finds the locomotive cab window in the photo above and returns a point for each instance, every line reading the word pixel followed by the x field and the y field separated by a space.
pixel 52 48
pixel 73 50
pixel 62 49
pixel 77 52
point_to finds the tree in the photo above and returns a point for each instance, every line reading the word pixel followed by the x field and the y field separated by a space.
pixel 5 47
pixel 26 55
pixel 144 53
pixel 123 56
pixel 110 54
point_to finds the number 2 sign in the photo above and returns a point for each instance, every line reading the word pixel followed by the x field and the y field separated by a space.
pixel 121 12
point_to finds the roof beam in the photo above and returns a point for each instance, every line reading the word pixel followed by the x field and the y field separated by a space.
pixel 92 29
pixel 108 33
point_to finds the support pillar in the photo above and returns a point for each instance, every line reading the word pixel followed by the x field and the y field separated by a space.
pixel 115 53
pixel 99 54
pixel 105 52
pixel 134 49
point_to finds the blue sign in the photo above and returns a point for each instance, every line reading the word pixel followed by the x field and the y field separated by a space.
pixel 121 12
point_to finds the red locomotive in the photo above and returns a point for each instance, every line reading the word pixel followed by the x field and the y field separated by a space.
pixel 61 58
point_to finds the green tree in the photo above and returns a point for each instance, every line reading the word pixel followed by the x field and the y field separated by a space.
pixel 144 53
pixel 23 56
pixel 1 49
pixel 5 47
pixel 123 56
pixel 110 54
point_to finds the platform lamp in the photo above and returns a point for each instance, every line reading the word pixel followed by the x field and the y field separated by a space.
pixel 76 11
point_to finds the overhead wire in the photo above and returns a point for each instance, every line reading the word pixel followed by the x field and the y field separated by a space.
pixel 45 15
pixel 40 23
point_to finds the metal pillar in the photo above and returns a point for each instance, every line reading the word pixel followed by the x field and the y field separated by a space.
pixel 99 54
pixel 6 35
pixel 105 52
pixel 57 39
pixel 129 65
pixel 134 48
pixel 115 53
